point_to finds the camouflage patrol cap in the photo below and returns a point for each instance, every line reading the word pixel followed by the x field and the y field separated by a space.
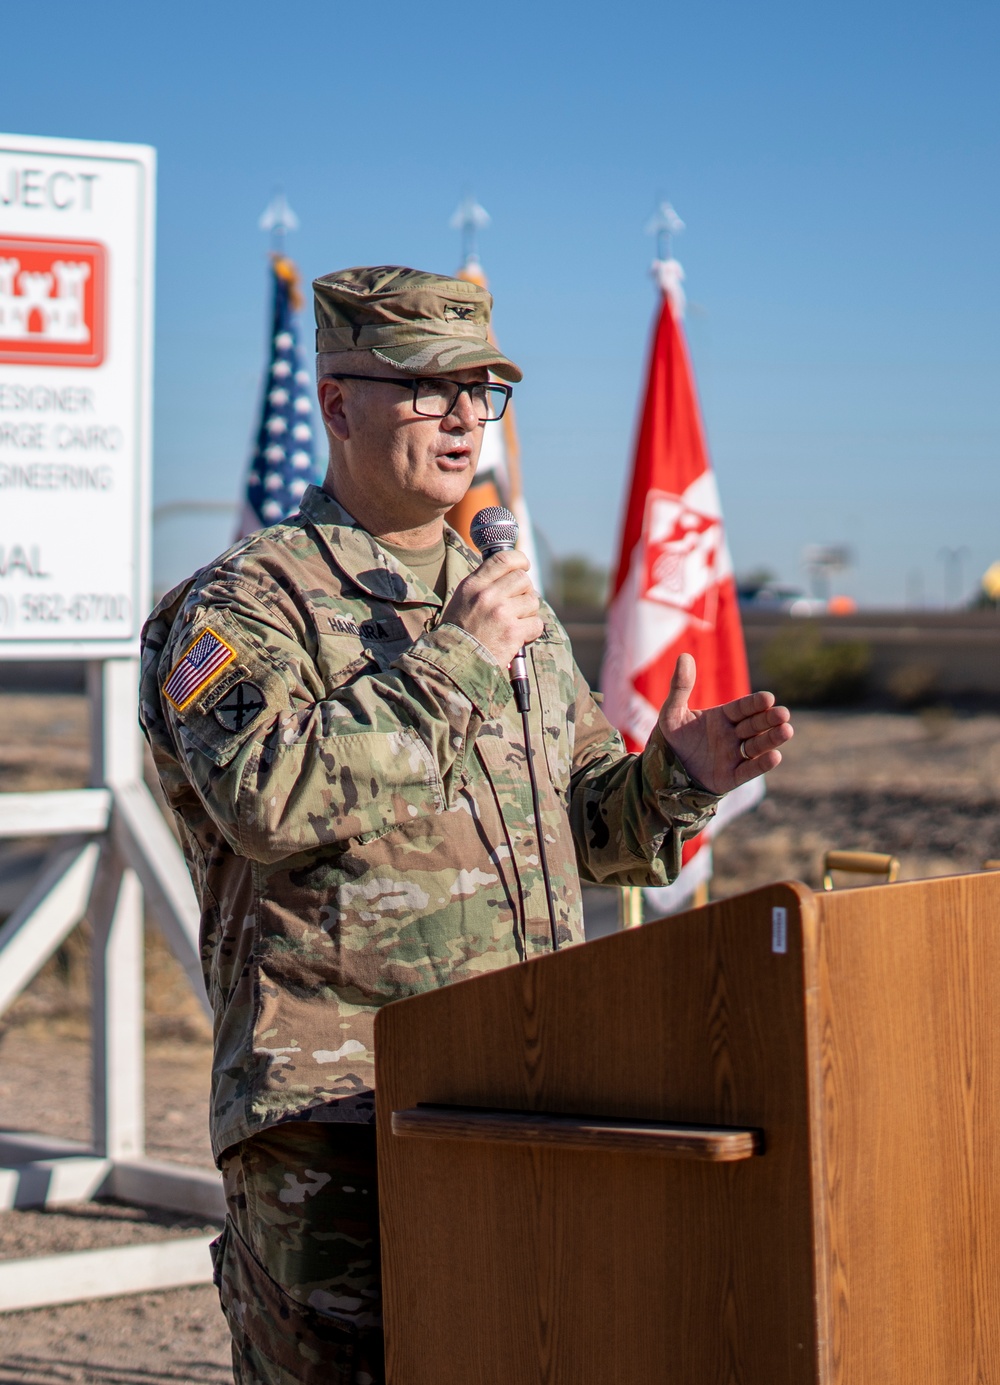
pixel 424 323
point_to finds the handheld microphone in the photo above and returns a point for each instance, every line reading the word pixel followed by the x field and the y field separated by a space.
pixel 494 530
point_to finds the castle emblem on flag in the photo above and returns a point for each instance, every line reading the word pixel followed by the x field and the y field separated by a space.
pixel 52 306
pixel 681 559
pixel 207 656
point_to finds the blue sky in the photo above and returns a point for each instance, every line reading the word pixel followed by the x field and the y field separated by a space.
pixel 835 166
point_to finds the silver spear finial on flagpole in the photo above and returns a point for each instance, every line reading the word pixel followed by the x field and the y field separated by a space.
pixel 278 218
pixel 664 225
pixel 469 218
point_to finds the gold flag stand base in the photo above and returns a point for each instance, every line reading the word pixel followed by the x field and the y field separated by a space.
pixel 630 903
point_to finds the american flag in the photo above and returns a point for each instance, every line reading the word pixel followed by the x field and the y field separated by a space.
pixel 196 667
pixel 283 462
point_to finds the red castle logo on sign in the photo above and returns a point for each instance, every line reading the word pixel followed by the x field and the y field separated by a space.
pixel 682 548
pixel 52 301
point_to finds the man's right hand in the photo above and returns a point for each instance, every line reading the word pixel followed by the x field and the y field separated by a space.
pixel 498 605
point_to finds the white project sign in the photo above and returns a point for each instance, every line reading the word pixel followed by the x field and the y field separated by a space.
pixel 76 274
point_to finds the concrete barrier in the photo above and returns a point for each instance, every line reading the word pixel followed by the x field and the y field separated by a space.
pixel 960 650
pixel 956 653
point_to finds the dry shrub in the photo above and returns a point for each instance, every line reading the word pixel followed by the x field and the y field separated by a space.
pixel 803 669
pixel 60 994
pixel 912 685
pixel 937 721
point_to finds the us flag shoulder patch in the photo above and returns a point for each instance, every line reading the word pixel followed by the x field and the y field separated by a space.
pixel 205 657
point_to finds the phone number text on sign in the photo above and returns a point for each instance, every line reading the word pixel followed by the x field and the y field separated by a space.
pixel 55 608
pixel 21 603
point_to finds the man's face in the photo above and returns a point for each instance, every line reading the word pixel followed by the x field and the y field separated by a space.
pixel 404 468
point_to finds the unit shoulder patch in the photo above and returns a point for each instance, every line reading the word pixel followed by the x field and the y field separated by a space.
pixel 241 705
pixel 203 660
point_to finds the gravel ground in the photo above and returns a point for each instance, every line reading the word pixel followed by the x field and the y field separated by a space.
pixel 144 1339
pixel 926 787
pixel 169 1338
pixel 45 1085
pixel 174 1338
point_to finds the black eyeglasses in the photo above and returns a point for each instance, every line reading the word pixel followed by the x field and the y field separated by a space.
pixel 436 398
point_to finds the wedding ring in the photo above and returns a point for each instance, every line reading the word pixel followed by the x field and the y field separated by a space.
pixel 743 751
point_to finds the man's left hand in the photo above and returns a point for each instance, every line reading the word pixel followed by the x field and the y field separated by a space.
pixel 708 744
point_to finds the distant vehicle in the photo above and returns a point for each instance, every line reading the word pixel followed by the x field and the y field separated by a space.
pixel 774 596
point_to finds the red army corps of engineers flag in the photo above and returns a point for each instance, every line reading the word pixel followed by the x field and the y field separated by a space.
pixel 674 590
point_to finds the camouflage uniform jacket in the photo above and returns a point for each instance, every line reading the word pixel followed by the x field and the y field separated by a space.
pixel 348 773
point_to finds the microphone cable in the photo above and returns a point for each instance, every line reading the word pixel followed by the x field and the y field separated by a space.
pixel 539 832
pixel 494 530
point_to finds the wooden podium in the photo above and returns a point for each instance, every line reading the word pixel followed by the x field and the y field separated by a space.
pixel 772 1152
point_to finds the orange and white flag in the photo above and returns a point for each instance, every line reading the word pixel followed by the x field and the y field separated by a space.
pixel 674 590
pixel 498 474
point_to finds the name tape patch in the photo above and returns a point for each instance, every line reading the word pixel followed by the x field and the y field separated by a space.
pixel 392 629
pixel 202 661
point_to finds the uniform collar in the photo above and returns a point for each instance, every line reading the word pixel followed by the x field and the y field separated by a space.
pixel 368 565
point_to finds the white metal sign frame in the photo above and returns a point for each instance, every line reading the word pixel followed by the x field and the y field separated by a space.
pixel 111 848
pixel 76 324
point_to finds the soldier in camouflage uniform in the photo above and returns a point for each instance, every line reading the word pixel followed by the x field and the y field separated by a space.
pixel 330 714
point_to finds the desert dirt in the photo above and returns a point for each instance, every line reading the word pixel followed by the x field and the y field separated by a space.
pixel 923 786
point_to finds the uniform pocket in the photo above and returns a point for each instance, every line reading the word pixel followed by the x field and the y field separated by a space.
pixel 312 1347
pixel 357 783
pixel 342 657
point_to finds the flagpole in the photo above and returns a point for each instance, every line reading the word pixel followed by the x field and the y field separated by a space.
pixel 629 906
pixel 498 479
pixel 470 218
pixel 664 225
pixel 278 218
pixel 673 591
pixel 282 460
